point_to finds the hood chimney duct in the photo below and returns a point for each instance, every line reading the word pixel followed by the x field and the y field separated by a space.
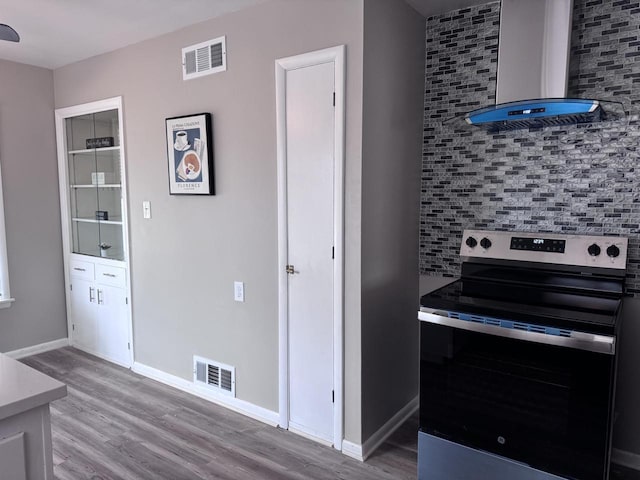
pixel 533 49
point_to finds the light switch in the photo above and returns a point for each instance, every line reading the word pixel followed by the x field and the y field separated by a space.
pixel 146 209
pixel 238 291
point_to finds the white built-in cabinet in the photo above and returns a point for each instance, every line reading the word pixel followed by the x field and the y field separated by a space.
pixel 91 169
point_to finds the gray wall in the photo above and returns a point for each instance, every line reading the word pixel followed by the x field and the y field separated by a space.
pixel 185 259
pixel 32 212
pixel 392 120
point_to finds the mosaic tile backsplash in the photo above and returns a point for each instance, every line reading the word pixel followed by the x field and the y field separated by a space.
pixel 582 179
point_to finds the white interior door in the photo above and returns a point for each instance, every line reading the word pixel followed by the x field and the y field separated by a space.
pixel 310 236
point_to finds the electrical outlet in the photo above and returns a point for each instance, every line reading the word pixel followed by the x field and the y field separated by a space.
pixel 238 291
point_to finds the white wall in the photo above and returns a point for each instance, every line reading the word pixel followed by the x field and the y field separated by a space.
pixel 32 213
pixel 185 259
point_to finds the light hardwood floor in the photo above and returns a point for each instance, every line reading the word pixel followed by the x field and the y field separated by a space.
pixel 115 424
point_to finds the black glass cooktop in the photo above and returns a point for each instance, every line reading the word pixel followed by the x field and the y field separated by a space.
pixel 559 301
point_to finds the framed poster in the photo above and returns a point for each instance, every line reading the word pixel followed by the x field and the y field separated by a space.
pixel 190 154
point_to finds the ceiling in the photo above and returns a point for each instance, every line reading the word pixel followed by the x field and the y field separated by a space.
pixel 58 32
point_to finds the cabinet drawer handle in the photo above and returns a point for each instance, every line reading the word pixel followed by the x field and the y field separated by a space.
pixel 80 269
pixel 109 275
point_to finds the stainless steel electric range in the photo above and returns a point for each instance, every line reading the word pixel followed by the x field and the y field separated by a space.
pixel 518 359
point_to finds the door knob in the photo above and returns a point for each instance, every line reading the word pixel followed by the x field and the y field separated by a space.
pixel 290 269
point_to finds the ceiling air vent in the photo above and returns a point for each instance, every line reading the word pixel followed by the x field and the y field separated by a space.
pixel 214 375
pixel 204 58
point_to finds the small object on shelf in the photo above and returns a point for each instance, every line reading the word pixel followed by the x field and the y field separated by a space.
pixel 97 178
pixel 99 142
pixel 103 249
pixel 102 178
pixel 102 215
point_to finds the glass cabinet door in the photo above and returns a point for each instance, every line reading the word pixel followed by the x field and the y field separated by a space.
pixel 93 157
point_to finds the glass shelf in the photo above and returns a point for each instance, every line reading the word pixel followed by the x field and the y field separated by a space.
pixel 93 220
pixel 94 150
pixel 95 184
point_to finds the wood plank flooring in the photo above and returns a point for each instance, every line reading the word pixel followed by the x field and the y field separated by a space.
pixel 115 424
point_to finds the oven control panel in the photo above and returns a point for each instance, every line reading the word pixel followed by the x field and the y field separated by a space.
pixel 538 244
pixel 581 250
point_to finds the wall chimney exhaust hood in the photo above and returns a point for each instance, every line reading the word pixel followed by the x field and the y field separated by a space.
pixel 533 70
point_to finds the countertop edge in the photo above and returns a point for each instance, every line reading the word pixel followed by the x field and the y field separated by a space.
pixel 23 388
pixel 34 401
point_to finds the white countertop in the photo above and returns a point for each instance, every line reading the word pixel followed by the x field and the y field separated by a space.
pixel 22 388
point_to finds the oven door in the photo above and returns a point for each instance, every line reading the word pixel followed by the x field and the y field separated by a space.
pixel 544 405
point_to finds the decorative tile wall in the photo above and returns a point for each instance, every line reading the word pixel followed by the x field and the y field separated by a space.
pixel 573 179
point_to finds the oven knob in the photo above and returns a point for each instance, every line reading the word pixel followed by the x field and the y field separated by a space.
pixel 613 251
pixel 594 250
pixel 471 242
pixel 485 243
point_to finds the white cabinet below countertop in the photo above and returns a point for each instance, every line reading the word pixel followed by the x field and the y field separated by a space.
pixel 25 429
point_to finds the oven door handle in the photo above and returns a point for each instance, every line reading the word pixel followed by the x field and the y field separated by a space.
pixel 579 340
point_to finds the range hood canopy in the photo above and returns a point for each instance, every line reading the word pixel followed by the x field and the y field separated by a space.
pixel 536 114
pixel 533 70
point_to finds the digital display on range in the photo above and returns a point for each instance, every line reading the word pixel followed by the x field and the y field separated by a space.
pixel 538 244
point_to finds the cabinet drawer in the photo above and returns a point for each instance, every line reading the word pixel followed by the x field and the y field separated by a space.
pixel 111 276
pixel 80 269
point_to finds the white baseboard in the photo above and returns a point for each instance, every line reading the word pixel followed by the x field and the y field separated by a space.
pixel 352 450
pixel 41 348
pixel 626 459
pixel 241 406
pixel 362 452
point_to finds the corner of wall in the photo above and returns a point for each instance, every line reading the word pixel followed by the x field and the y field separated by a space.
pixel 392 125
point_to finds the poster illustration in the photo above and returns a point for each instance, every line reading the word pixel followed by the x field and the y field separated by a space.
pixel 190 154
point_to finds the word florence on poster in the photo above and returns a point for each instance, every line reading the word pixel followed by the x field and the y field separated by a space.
pixel 190 154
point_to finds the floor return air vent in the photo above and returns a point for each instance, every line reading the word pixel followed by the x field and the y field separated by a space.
pixel 214 375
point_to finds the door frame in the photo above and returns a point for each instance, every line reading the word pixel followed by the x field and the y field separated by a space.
pixel 335 55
